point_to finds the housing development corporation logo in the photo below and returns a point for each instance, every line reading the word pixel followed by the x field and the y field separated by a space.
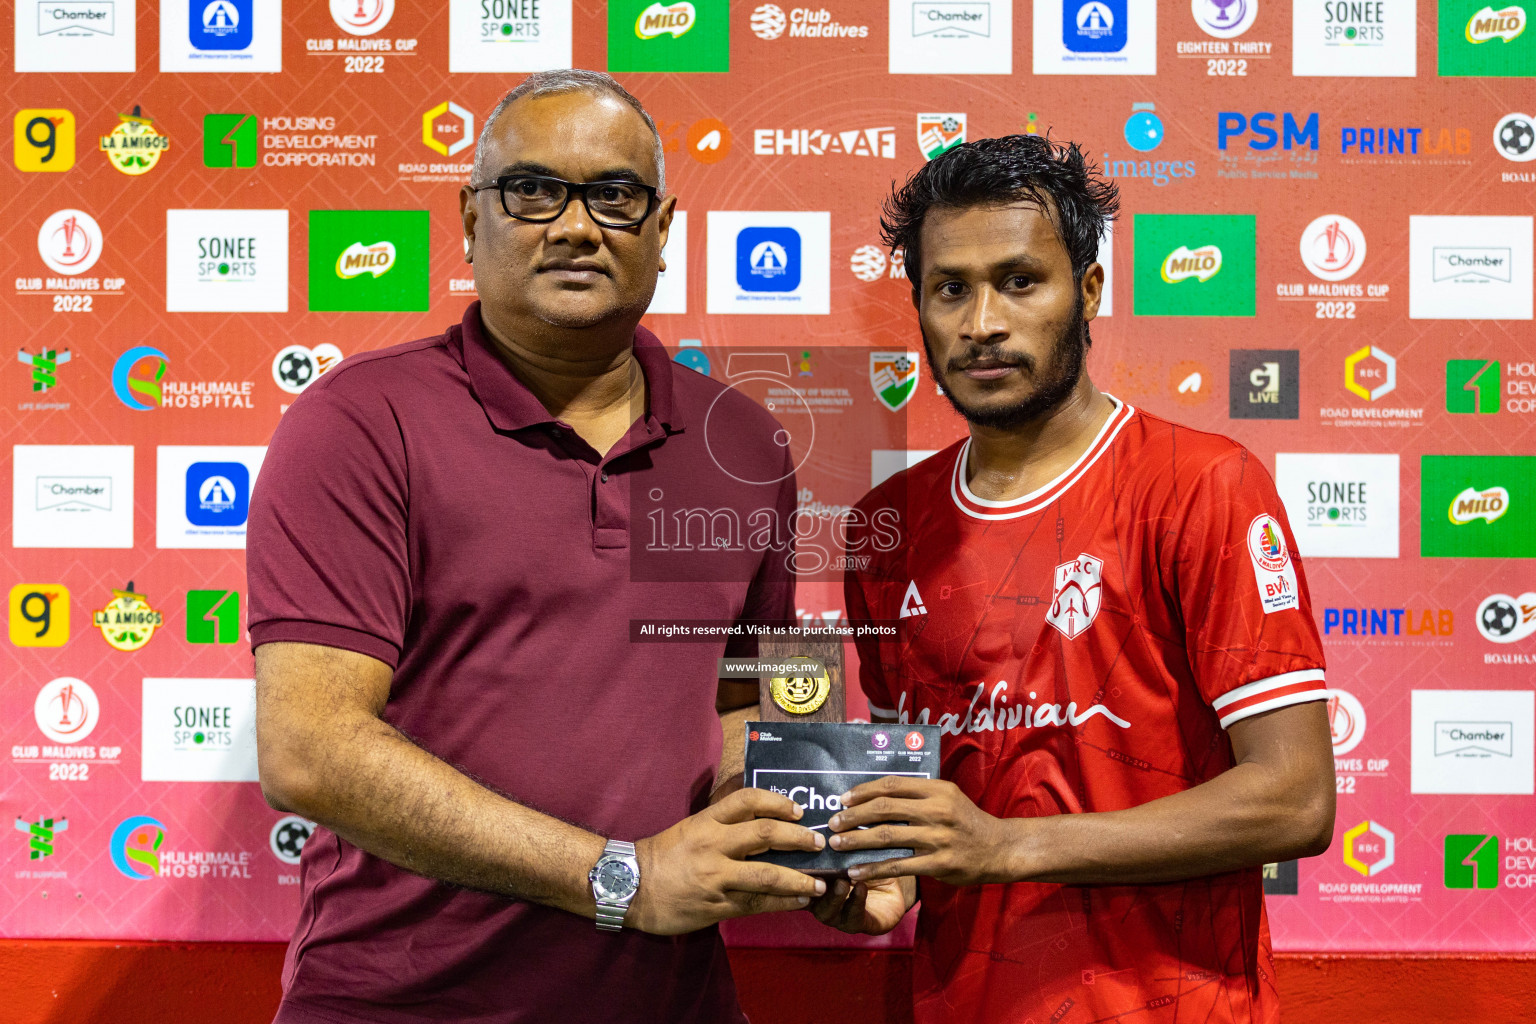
pixel 231 140
pixel 135 847
pixel 1471 862
pixel 369 260
pixel 213 616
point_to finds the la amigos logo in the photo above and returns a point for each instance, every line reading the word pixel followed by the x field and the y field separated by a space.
pixel 135 847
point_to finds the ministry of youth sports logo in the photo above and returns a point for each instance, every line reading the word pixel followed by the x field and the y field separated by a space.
pixel 1077 595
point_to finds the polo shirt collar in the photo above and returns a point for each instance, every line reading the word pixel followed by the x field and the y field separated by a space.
pixel 511 406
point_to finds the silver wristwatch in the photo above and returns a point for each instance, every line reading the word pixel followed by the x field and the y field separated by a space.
pixel 615 879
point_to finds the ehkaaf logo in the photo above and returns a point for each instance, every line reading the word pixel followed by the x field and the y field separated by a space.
pixel 877 142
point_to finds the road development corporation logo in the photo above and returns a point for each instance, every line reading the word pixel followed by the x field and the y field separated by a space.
pixel 70 242
pixel 893 376
pixel 1195 265
pixel 1514 137
pixel 939 133
pixel 135 847
pixel 369 260
pixel 40 835
pixel 135 145
pixel 127 622
pixel 1471 862
pixel 1474 742
pixel 1332 247
pixel 1369 849
pixel 1077 593
pixel 66 710
pixel 362 17
pixel 448 129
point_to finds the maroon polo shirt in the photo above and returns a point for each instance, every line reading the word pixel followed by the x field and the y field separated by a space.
pixel 420 506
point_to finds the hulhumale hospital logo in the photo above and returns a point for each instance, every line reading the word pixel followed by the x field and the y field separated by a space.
pixel 135 847
pixel 140 391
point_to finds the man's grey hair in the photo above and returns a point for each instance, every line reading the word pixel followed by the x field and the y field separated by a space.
pixel 549 83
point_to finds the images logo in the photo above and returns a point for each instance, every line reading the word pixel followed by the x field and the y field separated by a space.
pixel 1098 26
pixel 40 834
pixel 213 616
pixel 66 710
pixel 1215 278
pixel 134 146
pixel 361 17
pixel 1370 383
pixel 369 260
pixel 218 493
pixel 893 375
pixel 1184 263
pixel 1472 862
pixel 1477 506
pixel 1143 129
pixel 681 36
pixel 44 365
pixel 230 140
pixel 127 623
pixel 1369 840
pixel 447 120
pixel 1333 247
pixel 140 393
pixel 358 259
pixel 1472 385
pixel 39 615
pixel 135 847
pixel 44 140
pixel 939 133
pixel 70 242
pixel 1505 620
pixel 220 25
pixel 768 259
pixel 656 20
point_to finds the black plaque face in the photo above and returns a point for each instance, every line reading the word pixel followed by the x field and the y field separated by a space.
pixel 813 763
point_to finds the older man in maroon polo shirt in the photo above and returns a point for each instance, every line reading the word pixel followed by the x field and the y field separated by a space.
pixel 443 576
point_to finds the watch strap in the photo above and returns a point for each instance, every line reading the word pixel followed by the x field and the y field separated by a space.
pixel 610 914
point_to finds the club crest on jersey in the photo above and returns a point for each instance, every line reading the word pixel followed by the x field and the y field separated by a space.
pixel 1273 571
pixel 1076 597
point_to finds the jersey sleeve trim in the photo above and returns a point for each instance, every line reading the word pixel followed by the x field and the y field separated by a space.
pixel 1267 694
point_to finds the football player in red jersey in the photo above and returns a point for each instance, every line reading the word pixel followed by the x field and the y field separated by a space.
pixel 1103 612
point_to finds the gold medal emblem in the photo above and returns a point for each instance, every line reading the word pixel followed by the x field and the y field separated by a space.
pixel 801 695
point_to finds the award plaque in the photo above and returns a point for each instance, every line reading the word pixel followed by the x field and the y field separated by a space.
pixel 812 697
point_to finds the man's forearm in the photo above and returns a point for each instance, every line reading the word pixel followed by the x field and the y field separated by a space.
pixel 733 751
pixel 1233 821
pixel 386 795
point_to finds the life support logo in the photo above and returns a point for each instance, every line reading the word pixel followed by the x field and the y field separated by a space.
pixel 358 259
pixel 135 847
pixel 1184 263
pixel 1077 595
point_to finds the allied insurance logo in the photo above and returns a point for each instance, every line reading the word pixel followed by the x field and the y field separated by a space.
pixel 135 847
pixel 70 242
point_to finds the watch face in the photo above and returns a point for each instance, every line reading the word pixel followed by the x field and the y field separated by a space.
pixel 615 879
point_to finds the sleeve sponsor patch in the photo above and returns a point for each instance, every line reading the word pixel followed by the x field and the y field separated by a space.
pixel 1273 570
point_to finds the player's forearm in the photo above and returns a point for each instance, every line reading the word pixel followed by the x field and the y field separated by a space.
pixel 1247 816
pixel 728 779
pixel 376 789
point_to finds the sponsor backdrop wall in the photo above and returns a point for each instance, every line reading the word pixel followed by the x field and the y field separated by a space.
pixel 1326 252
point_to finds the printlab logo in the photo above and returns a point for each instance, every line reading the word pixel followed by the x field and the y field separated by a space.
pixel 66 710
pixel 369 260
pixel 1369 848
pixel 1264 384
pixel 1333 247
pixel 135 145
pixel 40 835
pixel 1224 19
pixel 213 616
pixel 297 367
pixel 1477 506
pixel 448 129
pixel 39 615
pixel 937 134
pixel 136 377
pixel 1514 138
pixel 135 847
pixel 1471 862
pixel 362 17
pixel 1195 265
pixel 644 35
pixel 1477 39
pixel 45 365
pixel 70 242
pixel 44 140
pixel 1473 385
pixel 231 140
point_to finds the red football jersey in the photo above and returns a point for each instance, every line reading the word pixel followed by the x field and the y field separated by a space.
pixel 1083 647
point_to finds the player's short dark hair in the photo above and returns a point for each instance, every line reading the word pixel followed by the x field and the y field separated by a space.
pixel 1056 176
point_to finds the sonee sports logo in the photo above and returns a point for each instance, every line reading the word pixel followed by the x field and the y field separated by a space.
pixel 1472 862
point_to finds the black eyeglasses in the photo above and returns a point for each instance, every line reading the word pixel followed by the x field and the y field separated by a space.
pixel 539 199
